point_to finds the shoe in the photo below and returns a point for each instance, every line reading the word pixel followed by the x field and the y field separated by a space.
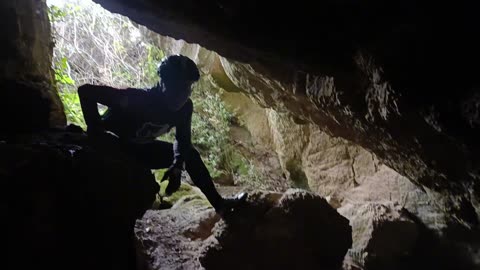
pixel 229 205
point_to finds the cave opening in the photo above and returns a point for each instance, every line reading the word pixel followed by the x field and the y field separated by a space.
pixel 339 137
pixel 94 46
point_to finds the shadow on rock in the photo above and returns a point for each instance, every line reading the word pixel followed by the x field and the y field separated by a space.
pixel 294 230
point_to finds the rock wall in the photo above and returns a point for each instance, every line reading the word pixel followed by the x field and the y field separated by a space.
pixel 26 58
pixel 346 173
pixel 375 228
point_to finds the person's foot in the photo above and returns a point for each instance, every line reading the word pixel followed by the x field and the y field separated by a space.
pixel 229 205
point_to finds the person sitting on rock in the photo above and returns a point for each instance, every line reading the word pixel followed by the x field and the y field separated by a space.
pixel 139 116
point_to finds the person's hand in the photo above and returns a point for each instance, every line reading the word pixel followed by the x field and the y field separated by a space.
pixel 174 176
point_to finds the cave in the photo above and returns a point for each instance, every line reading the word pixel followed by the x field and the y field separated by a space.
pixel 369 112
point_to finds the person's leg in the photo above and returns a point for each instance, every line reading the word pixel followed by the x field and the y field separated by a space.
pixel 159 154
pixel 202 179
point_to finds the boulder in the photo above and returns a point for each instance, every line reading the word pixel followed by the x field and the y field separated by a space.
pixel 68 204
pixel 294 230
pixel 383 235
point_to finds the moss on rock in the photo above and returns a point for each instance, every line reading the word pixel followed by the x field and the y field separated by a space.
pixel 185 194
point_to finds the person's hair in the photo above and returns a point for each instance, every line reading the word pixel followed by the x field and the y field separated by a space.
pixel 178 67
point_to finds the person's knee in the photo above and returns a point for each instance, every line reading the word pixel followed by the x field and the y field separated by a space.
pixel 194 152
pixel 193 158
pixel 194 155
pixel 83 89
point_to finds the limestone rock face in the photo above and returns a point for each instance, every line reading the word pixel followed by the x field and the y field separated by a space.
pixel 383 235
pixel 289 141
pixel 26 59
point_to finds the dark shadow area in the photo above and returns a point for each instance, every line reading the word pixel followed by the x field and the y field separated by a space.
pixel 68 206
pixel 447 252
pixel 23 108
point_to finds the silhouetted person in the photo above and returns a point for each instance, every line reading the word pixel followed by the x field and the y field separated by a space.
pixel 139 116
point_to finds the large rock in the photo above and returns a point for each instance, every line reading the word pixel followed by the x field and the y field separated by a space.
pixel 289 141
pixel 383 235
pixel 26 58
pixel 388 236
pixel 69 205
pixel 295 230
pixel 174 238
pixel 291 230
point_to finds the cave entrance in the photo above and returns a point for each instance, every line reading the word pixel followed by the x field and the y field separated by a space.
pixel 95 46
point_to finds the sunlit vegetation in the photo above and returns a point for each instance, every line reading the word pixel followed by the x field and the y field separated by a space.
pixel 95 46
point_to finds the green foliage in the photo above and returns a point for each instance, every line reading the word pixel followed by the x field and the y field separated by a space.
pixel 159 174
pixel 85 34
pixel 73 110
pixel 154 57
pixel 234 162
pixel 101 47
pixel 68 95
pixel 184 191
pixel 210 126
pixel 61 72
pixel 55 13
pixel 243 170
pixel 250 177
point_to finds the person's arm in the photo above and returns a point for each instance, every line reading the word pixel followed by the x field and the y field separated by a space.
pixel 183 136
pixel 90 95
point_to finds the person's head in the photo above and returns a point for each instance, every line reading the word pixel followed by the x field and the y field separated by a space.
pixel 177 73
